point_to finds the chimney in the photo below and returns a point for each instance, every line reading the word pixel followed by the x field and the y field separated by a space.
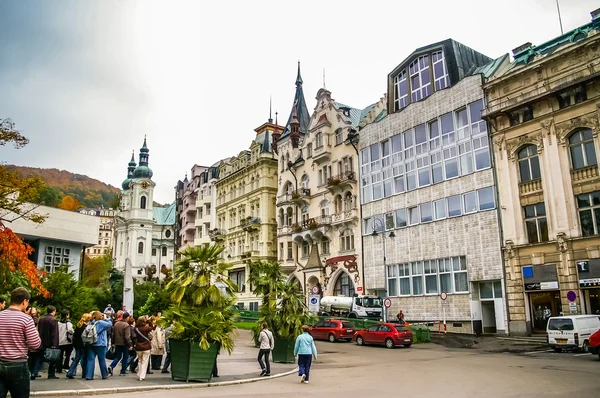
pixel 595 14
pixel 523 48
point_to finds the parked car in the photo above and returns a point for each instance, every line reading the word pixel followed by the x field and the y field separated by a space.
pixel 333 330
pixel 571 332
pixel 594 344
pixel 388 334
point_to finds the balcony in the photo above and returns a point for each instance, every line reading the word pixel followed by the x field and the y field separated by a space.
pixel 284 199
pixel 284 230
pixel 311 229
pixel 321 154
pixel 250 254
pixel 585 179
pixel 530 187
pixel 300 195
pixel 341 181
pixel 250 224
pixel 345 217
pixel 216 234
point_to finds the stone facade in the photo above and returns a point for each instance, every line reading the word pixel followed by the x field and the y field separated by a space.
pixel 544 111
pixel 187 214
pixel 245 210
pixel 409 193
pixel 318 215
pixel 206 202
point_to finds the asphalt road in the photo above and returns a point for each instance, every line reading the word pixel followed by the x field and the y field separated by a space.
pixel 428 370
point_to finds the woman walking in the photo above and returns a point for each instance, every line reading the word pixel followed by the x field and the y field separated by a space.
pixel 305 350
pixel 65 341
pixel 98 349
pixel 143 345
pixel 79 347
pixel 158 345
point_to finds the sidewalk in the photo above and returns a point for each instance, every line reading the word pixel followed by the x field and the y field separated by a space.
pixel 239 367
pixel 491 343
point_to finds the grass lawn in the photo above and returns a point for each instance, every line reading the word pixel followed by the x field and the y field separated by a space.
pixel 245 325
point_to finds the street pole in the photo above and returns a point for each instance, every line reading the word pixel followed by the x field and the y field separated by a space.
pixel 444 315
pixel 385 277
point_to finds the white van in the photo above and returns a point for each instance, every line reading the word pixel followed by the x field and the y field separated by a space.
pixel 571 332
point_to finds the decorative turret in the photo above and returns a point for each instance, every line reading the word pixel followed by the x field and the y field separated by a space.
pixel 130 170
pixel 143 171
pixel 294 128
pixel 299 107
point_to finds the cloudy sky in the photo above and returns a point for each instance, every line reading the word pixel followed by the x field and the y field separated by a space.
pixel 86 80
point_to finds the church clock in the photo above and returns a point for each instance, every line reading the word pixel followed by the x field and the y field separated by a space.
pixel 144 185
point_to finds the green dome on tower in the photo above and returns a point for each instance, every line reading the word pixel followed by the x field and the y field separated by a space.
pixel 143 171
pixel 130 170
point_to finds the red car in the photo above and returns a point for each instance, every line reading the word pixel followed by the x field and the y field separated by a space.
pixel 594 344
pixel 388 334
pixel 333 330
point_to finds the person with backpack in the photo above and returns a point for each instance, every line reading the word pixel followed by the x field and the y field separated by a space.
pixel 143 345
pixel 95 336
pixel 79 347
pixel 265 341
pixel 65 340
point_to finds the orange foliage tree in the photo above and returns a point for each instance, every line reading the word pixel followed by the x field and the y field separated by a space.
pixel 69 203
pixel 14 257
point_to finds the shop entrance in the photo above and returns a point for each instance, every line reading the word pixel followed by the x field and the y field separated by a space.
pixel 593 300
pixel 543 305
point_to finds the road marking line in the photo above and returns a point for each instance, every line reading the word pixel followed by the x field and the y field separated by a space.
pixel 579 355
pixel 537 352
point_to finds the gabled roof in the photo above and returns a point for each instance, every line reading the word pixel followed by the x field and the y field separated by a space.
pixel 356 115
pixel 164 215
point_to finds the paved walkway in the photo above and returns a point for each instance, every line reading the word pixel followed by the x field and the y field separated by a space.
pixel 238 367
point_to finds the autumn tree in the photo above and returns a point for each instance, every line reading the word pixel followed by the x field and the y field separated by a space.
pixel 97 270
pixel 15 264
pixel 69 203
pixel 16 192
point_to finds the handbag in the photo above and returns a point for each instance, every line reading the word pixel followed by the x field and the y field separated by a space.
pixel 110 354
pixel 51 354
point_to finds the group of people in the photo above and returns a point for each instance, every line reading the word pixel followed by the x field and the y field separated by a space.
pixel 304 351
pixel 27 341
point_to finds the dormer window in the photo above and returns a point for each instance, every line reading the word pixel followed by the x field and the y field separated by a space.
pixel 440 72
pixel 420 80
pixel 400 91
pixel 572 96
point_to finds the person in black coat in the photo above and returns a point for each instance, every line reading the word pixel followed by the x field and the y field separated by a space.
pixel 48 329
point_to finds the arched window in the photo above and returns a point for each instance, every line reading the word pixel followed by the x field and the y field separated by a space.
pixel 304 181
pixel 288 188
pixel 529 164
pixel 143 202
pixel 141 248
pixel 252 183
pixel 305 213
pixel 287 159
pixel 338 204
pixel 343 286
pixel 164 251
pixel 347 240
pixel 348 201
pixel 325 208
pixel 581 146
pixel 289 216
pixel 281 218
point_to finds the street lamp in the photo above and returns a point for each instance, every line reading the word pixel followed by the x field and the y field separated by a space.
pixel 385 273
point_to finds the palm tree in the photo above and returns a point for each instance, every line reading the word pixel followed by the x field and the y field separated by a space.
pixel 266 278
pixel 202 297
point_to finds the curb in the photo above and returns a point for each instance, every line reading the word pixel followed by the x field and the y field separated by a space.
pixel 118 390
pixel 523 340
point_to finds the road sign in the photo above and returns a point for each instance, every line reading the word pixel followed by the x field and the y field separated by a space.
pixel 315 289
pixel 573 307
pixel 387 302
pixel 444 295
pixel 571 296
pixel 359 289
pixel 313 303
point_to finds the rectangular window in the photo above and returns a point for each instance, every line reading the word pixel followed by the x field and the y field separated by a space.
pixel 339 137
pixel 389 221
pixel 459 269
pixel 486 198
pixel 153 252
pixel 423 171
pixel 417 278
pixel 450 163
pixel 392 280
pixel 445 269
pixel 426 212
pixel 440 73
pixel 430 270
pixel 309 150
pixel 462 124
pixel 437 169
pixel 440 209
pixel 466 158
pixel 482 152
pixel 388 183
pixel 376 185
pixel 409 142
pixel 400 91
pixel 434 134
pixel 420 81
pixel 478 125
pixel 404 279
pixel 589 213
pixel 375 157
pixel 413 215
pixel 411 176
pixel 447 126
pixel 401 219
pixel 289 251
pixel 365 161
pixel 454 206
pixel 385 153
pixel 470 202
pixel 366 191
pixel 536 223
pixel 421 139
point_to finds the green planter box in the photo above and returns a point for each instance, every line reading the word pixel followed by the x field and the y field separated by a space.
pixel 283 350
pixel 190 362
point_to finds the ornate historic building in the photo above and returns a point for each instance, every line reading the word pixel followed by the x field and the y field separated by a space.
pixel 245 209
pixel 430 224
pixel 105 231
pixel 318 220
pixel 206 202
pixel 543 109
pixel 144 234
pixel 187 215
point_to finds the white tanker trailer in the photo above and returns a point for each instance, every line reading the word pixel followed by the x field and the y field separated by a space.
pixel 352 307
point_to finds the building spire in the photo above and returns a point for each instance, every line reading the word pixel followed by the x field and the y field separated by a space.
pixel 299 78
pixel 276 117
pixel 324 86
pixel 270 109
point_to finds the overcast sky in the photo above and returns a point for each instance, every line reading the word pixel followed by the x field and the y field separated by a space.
pixel 85 80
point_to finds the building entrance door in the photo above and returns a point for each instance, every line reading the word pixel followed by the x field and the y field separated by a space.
pixel 543 305
pixel 593 305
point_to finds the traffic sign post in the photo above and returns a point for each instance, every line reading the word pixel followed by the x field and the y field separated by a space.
pixel 444 296
pixel 387 303
pixel 571 296
pixel 315 289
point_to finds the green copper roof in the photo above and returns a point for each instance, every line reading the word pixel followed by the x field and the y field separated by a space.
pixel 164 215
pixel 356 115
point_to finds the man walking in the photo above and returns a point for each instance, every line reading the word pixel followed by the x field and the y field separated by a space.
pixel 121 339
pixel 265 341
pixel 48 328
pixel 17 337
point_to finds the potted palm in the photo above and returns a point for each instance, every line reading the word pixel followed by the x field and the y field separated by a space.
pixel 201 311
pixel 283 308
